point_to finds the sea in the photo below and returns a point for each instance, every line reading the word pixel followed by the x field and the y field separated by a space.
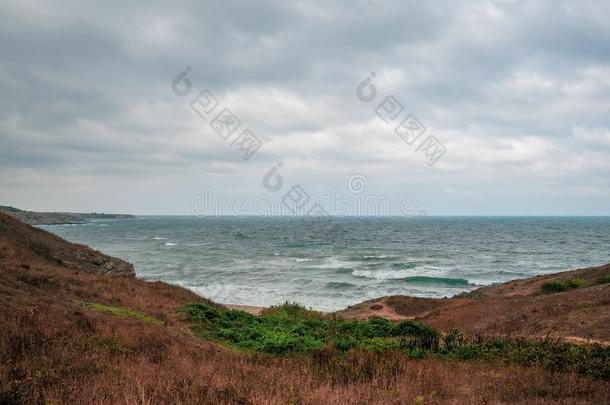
pixel 329 263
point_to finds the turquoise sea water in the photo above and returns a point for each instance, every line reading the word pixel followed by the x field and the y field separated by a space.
pixel 331 262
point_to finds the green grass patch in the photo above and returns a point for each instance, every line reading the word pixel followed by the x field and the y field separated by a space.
pixel 121 312
pixel 563 285
pixel 290 329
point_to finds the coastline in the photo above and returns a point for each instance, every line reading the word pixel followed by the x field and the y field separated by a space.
pixel 197 252
pixel 253 310
pixel 65 306
pixel 58 218
pixel 521 307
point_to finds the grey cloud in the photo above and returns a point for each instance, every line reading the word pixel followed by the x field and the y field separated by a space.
pixel 87 89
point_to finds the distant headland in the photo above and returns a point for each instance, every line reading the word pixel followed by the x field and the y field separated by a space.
pixel 56 218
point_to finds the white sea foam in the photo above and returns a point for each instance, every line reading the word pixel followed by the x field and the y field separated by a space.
pixel 379 257
pixel 383 274
pixel 333 263
pixel 170 244
pixel 243 294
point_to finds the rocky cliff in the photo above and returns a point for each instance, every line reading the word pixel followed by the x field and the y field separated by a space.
pixel 22 243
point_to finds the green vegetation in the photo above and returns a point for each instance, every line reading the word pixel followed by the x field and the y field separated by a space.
pixel 603 280
pixel 575 283
pixel 563 285
pixel 290 329
pixel 121 312
pixel 554 286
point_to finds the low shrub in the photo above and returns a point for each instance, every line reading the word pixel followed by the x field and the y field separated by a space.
pixel 603 280
pixel 453 340
pixel 554 286
pixel 577 283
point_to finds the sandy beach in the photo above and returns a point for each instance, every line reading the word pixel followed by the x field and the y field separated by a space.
pixel 246 308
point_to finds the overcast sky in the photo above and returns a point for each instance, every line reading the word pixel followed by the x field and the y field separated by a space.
pixel 518 93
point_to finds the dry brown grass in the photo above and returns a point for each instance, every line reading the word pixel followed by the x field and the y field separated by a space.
pixel 55 351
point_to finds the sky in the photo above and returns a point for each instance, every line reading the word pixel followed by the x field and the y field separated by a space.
pixel 511 102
